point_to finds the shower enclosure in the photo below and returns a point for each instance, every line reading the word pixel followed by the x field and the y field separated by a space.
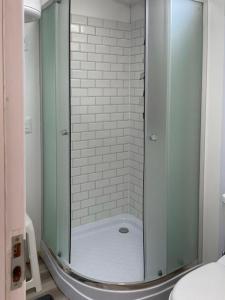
pixel 122 94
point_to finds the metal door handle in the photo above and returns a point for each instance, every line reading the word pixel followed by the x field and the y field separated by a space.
pixel 64 132
pixel 153 138
pixel 223 198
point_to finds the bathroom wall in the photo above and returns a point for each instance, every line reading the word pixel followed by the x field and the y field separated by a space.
pixel 32 122
pixel 107 114
pixel 136 143
pixel 114 10
pixel 138 10
pixel 213 211
pixel 43 2
pixel 100 118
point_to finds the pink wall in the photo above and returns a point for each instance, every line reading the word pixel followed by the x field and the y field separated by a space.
pixel 2 235
pixel 12 196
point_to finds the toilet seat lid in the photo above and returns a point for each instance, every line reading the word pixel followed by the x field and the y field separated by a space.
pixel 205 283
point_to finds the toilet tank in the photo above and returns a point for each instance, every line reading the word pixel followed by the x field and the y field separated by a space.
pixel 32 10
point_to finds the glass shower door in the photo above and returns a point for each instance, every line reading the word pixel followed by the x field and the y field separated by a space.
pixel 184 127
pixel 56 128
pixel 172 137
pixel 155 140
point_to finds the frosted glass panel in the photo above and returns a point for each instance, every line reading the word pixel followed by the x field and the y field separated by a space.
pixel 56 128
pixel 155 150
pixel 63 127
pixel 184 132
pixel 172 136
pixel 49 128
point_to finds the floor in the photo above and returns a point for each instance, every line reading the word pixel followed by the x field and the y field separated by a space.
pixel 101 252
pixel 48 285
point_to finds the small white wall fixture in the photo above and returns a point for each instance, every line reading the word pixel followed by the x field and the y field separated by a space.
pixel 213 131
pixel 35 281
pixel 32 10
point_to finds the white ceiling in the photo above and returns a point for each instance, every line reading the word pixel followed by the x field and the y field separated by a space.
pixel 44 1
pixel 129 2
pixel 126 2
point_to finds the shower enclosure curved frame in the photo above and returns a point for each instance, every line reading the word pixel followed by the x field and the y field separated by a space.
pixel 61 269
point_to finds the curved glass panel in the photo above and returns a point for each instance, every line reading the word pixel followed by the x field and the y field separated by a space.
pixel 184 127
pixel 49 128
pixel 173 126
pixel 121 136
pixel 56 128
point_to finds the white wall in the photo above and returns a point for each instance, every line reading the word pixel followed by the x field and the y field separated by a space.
pixel 33 140
pixel 44 1
pixel 100 63
pixel 138 11
pixel 110 9
pixel 222 208
pixel 214 133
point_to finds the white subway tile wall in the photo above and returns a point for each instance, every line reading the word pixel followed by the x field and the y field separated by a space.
pixel 107 59
pixel 136 146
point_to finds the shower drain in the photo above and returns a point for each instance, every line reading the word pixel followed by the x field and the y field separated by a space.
pixel 123 230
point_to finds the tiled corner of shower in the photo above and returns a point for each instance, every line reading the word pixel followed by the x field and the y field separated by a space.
pixel 136 142
pixel 107 105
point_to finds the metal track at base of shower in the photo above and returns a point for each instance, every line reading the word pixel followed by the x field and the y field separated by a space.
pixel 65 267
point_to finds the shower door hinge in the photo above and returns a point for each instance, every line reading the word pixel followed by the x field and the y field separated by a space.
pixel 17 262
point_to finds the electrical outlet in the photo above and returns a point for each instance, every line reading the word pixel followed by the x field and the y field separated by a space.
pixel 17 262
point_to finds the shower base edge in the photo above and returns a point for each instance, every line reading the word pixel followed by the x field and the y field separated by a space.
pixel 79 290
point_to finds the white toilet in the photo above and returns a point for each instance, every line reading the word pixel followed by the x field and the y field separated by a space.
pixel 205 283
